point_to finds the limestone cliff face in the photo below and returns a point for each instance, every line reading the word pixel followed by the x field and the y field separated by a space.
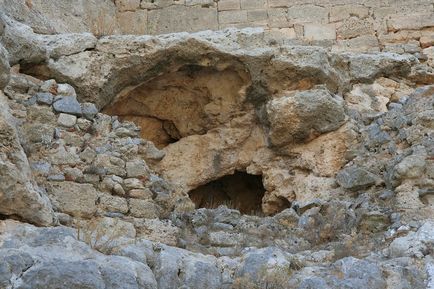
pixel 215 159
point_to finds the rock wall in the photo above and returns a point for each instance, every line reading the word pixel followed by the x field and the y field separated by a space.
pixel 363 25
pixel 216 159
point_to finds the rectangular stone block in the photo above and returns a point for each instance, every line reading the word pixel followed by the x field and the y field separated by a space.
pixel 277 18
pixel 410 22
pixel 307 13
pixel 314 32
pixel 235 16
pixel 342 12
pixel 279 3
pixel 427 40
pixel 253 4
pixel 203 3
pixel 366 43
pixel 225 5
pixel 182 18
pixel 257 15
pixel 133 22
pixel 127 5
pixel 354 27
pixel 157 4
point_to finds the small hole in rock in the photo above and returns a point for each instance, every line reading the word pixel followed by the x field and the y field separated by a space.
pixel 240 191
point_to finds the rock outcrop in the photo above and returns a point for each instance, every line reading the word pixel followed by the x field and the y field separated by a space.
pixel 211 160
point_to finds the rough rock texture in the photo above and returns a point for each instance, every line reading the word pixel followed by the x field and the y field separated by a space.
pixel 19 195
pixel 214 159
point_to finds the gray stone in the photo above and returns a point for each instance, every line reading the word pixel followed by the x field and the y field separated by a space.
pixel 19 194
pixel 137 168
pixel 415 244
pixel 89 110
pixel 56 178
pixel 357 274
pixel 44 98
pixel 68 104
pixel 355 178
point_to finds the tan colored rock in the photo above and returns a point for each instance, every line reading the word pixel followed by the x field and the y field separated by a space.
pixel 143 209
pixel 354 27
pixel 301 116
pixel 427 41
pixel 160 231
pixel 307 13
pixel 411 22
pixel 78 200
pixel 342 12
pixel 180 18
pixel 127 5
pixel 133 22
pixel 319 32
pixel 325 155
pixel 235 16
pixel 224 5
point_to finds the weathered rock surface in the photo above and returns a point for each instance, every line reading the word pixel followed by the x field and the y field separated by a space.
pixel 301 116
pixel 4 67
pixel 219 160
pixel 53 258
pixel 19 195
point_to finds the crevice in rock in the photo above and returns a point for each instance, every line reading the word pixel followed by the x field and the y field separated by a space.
pixel 240 191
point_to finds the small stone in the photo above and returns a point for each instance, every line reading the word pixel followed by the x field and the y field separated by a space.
pixel 355 178
pixel 44 98
pixel 84 124
pixel 65 89
pixel 113 203
pixel 387 194
pixel 88 155
pixel 118 189
pixel 68 104
pixel 56 178
pixel 394 105
pixel 143 194
pixel 137 168
pixel 89 110
pixel 133 183
pixel 144 209
pixel 64 219
pixel 72 174
pixel 91 178
pixel 124 132
pixel 30 101
pixel 67 120
pixel 49 86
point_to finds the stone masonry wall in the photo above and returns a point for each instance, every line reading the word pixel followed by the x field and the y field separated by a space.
pixel 402 26
pixel 363 25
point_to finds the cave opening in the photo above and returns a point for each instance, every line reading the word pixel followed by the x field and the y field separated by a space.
pixel 240 191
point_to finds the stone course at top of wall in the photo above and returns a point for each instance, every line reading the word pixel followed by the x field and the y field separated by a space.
pixel 342 25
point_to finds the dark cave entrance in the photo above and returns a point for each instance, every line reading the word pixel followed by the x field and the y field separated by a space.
pixel 240 191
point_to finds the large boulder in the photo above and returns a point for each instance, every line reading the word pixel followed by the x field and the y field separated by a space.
pixel 53 258
pixel 302 115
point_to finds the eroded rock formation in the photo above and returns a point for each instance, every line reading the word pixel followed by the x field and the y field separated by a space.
pixel 212 160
